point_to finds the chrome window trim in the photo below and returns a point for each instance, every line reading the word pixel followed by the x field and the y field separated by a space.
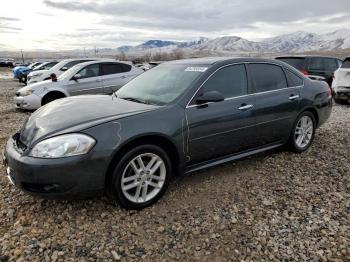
pixel 230 98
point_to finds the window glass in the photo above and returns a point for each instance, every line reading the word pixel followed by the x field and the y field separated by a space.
pixel 90 71
pixel 293 79
pixel 230 81
pixel 162 84
pixel 296 62
pixel 323 64
pixel 346 63
pixel 267 77
pixel 126 68
pixel 71 64
pixel 111 68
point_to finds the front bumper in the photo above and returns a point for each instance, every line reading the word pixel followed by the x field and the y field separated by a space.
pixel 30 102
pixel 71 177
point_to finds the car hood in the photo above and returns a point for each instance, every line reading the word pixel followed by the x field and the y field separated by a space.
pixel 38 71
pixel 39 85
pixel 81 111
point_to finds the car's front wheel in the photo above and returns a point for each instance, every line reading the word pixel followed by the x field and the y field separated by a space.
pixel 303 132
pixel 141 177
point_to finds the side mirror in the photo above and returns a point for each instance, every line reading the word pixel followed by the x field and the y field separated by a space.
pixel 76 77
pixel 211 96
pixel 64 69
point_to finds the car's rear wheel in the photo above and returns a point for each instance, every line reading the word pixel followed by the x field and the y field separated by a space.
pixel 303 132
pixel 141 177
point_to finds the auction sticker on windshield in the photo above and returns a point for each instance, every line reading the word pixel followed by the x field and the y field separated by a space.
pixel 196 69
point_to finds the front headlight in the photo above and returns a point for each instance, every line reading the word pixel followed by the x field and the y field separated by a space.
pixel 63 146
pixel 26 92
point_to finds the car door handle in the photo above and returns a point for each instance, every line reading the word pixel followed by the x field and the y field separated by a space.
pixel 293 97
pixel 245 107
pixel 124 76
pixel 98 80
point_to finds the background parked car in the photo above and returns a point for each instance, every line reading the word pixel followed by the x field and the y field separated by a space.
pixel 314 65
pixel 58 69
pixel 341 83
pixel 93 77
pixel 44 66
pixel 7 62
pixel 17 71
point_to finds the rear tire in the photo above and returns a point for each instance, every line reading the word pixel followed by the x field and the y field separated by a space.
pixel 303 132
pixel 51 97
pixel 141 177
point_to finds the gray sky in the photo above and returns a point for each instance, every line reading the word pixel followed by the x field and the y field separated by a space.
pixel 63 24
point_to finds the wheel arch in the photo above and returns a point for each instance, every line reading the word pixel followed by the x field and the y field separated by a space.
pixel 54 91
pixel 314 112
pixel 153 139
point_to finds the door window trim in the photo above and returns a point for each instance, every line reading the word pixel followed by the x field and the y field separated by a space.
pixel 248 81
pixel 207 79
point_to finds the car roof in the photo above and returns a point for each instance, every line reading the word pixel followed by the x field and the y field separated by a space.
pixel 100 61
pixel 215 60
pixel 306 56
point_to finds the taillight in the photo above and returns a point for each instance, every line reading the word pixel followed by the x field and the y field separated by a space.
pixel 305 72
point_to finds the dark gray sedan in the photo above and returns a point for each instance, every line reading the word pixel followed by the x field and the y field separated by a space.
pixel 179 117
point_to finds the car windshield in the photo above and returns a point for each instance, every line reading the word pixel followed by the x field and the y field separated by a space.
pixel 161 85
pixel 68 73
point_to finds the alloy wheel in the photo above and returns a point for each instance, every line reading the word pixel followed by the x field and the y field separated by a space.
pixel 304 131
pixel 143 178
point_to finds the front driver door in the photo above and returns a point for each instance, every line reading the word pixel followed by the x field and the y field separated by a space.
pixel 221 128
pixel 90 81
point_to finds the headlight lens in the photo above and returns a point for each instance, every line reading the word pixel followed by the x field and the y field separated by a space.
pixel 63 146
pixel 26 92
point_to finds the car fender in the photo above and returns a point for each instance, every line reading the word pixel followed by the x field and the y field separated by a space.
pixel 53 89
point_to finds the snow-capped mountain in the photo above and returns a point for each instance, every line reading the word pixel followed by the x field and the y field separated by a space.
pixel 297 42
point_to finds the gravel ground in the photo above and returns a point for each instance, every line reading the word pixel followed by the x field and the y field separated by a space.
pixel 270 207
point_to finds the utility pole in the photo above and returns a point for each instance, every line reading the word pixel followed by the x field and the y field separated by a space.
pixel 22 56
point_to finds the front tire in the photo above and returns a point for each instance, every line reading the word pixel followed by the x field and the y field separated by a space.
pixel 141 177
pixel 303 132
pixel 51 97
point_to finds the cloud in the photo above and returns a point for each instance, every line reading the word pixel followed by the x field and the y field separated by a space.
pixel 203 16
pixel 2 18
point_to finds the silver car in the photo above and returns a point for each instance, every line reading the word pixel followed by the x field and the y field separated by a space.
pixel 94 77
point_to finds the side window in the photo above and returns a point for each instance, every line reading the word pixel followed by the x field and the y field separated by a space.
pixel 293 79
pixel 267 77
pixel 231 81
pixel 111 68
pixel 70 64
pixel 330 64
pixel 126 68
pixel 90 71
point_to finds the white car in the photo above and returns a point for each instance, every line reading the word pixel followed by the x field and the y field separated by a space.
pixel 94 77
pixel 341 83
pixel 58 69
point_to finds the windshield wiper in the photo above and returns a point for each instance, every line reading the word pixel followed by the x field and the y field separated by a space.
pixel 135 100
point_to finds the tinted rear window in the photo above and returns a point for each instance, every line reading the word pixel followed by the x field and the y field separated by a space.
pixel 268 77
pixel 346 63
pixel 323 64
pixel 109 69
pixel 296 62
